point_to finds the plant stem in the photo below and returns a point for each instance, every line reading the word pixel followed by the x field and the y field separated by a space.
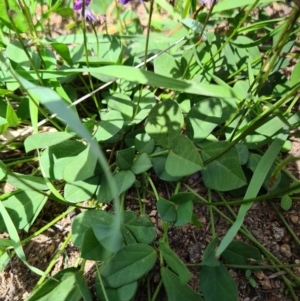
pixel 290 190
pixel 53 261
pixel 290 230
pixel 252 267
pixel 53 222
pixel 157 290
pixel 211 215
pixel 101 283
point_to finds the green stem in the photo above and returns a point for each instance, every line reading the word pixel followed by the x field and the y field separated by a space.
pixel 248 234
pixel 101 283
pixel 53 222
pixel 267 253
pixel 19 161
pixel 290 230
pixel 242 21
pixel 53 261
pixel 211 216
pixel 256 122
pixel 153 187
pixel 293 188
pixel 277 48
pixel 83 26
pixel 148 33
pixel 22 44
pixel 157 290
pixel 251 267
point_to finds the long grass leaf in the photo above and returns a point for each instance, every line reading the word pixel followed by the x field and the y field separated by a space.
pixel 15 239
pixel 256 182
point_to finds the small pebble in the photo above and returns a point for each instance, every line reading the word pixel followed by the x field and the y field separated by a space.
pixel 278 233
pixel 285 250
pixel 153 213
pixel 194 253
pixel 294 219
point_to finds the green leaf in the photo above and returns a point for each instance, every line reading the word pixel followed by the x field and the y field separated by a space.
pixel 4 260
pixel 159 163
pixel 80 191
pixel 166 210
pixel 255 184
pixel 55 158
pixel 140 227
pixel 110 125
pixel 91 248
pixel 123 293
pixel 15 240
pixel 149 78
pixel 121 103
pixel 143 103
pixel 128 236
pixel 80 167
pixel 203 118
pixel 67 284
pixel 243 153
pixel 13 12
pixel 22 208
pixel 183 158
pixel 4 243
pixel 295 74
pixel 103 233
pixel 195 221
pixel 177 291
pixel 193 24
pixel 11 116
pixel 109 53
pixel 57 105
pixel 43 140
pixel 62 50
pixel 225 172
pixel 65 12
pixel 3 170
pixel 286 202
pixel 85 221
pixel 26 182
pixel 165 122
pixel 15 53
pixel 182 197
pixel 262 135
pixel 128 265
pixel 184 214
pixel 252 282
pixel 238 253
pixel 141 164
pixel 3 125
pixel 125 158
pixel 231 4
pixel 253 162
pixel 216 284
pixel 124 179
pixel 144 143
pixel 165 64
pixel 174 262
pixel 209 256
pixel 48 58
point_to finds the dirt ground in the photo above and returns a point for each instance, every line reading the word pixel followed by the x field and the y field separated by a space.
pixel 189 242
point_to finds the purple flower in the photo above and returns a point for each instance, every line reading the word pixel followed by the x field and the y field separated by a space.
pixel 78 4
pixel 88 15
pixel 123 2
